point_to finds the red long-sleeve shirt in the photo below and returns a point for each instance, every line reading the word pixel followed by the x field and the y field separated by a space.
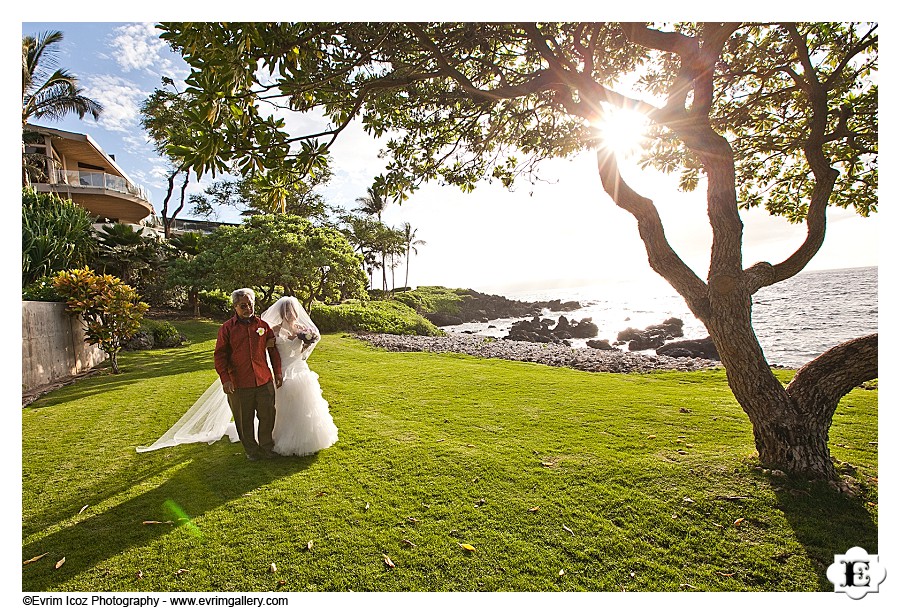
pixel 240 354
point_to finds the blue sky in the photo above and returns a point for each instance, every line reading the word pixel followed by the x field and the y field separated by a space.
pixel 491 240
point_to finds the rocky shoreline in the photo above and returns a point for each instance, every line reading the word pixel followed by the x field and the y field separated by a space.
pixel 552 354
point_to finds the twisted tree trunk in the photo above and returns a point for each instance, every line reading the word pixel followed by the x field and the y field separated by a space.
pixel 790 425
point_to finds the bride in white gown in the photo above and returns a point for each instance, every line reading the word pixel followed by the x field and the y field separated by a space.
pixel 303 424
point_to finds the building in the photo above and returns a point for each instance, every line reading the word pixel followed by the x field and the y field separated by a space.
pixel 75 167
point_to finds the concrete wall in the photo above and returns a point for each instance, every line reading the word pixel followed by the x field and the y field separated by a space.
pixel 53 345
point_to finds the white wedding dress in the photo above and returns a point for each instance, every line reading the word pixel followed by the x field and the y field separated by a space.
pixel 303 424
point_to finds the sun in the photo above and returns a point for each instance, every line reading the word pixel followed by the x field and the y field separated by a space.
pixel 623 131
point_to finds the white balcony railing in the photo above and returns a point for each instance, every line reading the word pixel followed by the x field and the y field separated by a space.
pixel 97 179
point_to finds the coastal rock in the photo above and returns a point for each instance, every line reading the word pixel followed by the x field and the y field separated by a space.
pixel 538 330
pixel 480 307
pixel 601 344
pixel 690 348
pixel 552 354
pixel 653 336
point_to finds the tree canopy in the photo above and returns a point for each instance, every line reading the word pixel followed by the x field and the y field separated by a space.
pixel 775 115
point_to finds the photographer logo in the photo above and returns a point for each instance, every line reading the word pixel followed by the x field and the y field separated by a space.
pixel 856 573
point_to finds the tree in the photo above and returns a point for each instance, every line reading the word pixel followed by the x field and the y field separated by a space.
pixel 779 115
pixel 184 268
pixel 57 234
pixel 254 196
pixel 283 253
pixel 112 311
pixel 411 243
pixel 163 117
pixel 49 92
pixel 373 204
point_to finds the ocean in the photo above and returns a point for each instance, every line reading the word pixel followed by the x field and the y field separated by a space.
pixel 795 320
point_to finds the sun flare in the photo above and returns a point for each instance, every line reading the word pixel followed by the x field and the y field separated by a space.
pixel 623 131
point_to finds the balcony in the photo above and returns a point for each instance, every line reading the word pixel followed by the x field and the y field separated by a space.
pixel 104 195
pixel 104 181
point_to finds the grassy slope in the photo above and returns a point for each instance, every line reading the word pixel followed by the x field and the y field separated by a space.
pixel 622 482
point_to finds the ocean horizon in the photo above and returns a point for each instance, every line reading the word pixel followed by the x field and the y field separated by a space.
pixel 795 320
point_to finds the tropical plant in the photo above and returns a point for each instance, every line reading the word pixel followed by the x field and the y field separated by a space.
pixel 112 311
pixel 49 92
pixel 127 252
pixel 776 115
pixel 56 235
pixel 411 243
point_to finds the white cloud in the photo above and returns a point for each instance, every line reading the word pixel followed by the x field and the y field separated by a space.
pixel 137 46
pixel 121 100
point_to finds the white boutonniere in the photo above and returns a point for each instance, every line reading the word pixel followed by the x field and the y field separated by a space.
pixel 260 331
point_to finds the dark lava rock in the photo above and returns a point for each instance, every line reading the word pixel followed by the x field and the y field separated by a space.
pixel 690 348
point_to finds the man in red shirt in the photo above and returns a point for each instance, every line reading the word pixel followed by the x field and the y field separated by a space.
pixel 240 359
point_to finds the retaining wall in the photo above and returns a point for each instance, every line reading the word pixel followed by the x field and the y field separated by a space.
pixel 53 346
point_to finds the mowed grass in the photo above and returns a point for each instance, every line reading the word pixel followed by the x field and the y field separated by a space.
pixel 558 480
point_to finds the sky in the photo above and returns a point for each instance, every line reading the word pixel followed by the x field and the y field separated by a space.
pixel 559 233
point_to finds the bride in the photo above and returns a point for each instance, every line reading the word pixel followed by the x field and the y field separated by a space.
pixel 303 424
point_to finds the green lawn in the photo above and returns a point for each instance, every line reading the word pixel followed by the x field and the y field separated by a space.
pixel 560 480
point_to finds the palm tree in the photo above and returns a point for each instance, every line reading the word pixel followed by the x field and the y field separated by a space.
pixel 374 204
pixel 410 240
pixel 49 92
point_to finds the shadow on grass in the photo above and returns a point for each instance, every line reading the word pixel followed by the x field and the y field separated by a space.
pixel 826 522
pixel 139 367
pixel 192 481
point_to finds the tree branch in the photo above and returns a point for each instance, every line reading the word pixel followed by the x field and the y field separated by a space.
pixel 825 380
pixel 661 256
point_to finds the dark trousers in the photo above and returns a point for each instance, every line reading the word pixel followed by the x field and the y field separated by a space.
pixel 247 404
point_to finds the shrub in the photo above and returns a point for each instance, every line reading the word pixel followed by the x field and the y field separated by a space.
pixel 56 235
pixel 373 316
pixel 165 335
pixel 112 311
pixel 41 290
pixel 433 299
pixel 214 303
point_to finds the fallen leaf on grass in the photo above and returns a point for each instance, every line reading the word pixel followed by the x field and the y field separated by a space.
pixel 321 492
pixel 547 463
pixel 181 572
pixel 468 547
pixel 651 436
pixel 688 500
pixel 82 509
pixel 157 522
pixel 569 530
pixel 139 574
pixel 412 520
pixel 388 561
pixel 562 572
pixel 37 558
pixel 470 445
pixel 727 575
pixel 408 543
pixel 687 585
pixel 273 568
pixel 367 506
pixel 60 563
pixel 309 545
pixel 534 509
pixel 480 502
pixel 738 521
